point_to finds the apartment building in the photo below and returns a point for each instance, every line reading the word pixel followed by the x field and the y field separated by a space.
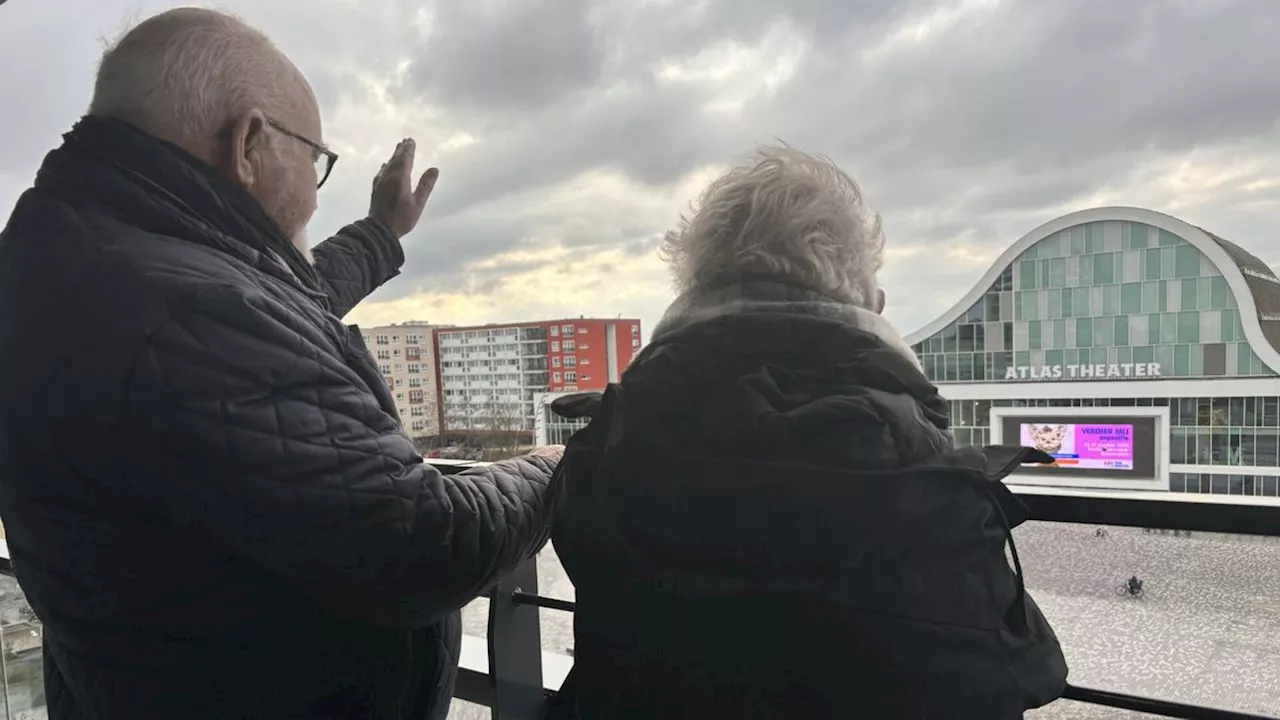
pixel 406 355
pixel 491 375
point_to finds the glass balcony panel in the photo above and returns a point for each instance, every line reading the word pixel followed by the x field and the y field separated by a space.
pixel 21 656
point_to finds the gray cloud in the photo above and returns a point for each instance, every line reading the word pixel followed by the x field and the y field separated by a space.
pixel 39 105
pixel 967 123
pixel 509 54
pixel 650 133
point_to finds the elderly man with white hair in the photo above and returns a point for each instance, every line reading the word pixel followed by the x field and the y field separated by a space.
pixel 767 518
pixel 209 497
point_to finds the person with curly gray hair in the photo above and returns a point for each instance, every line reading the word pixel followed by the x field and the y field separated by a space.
pixel 790 227
pixel 767 516
pixel 788 215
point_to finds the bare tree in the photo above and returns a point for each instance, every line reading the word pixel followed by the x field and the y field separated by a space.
pixel 506 425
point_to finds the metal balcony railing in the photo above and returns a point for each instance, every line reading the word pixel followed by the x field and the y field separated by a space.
pixel 512 675
pixel 509 672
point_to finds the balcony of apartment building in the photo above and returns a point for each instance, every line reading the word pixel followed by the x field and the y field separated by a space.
pixel 1203 642
pixel 536 363
pixel 533 349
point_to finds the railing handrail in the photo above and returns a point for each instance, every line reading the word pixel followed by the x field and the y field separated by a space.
pixel 1166 510
pixel 1144 495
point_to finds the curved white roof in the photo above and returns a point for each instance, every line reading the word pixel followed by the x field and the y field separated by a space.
pixel 1251 281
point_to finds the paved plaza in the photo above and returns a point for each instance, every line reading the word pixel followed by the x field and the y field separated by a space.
pixel 1207 630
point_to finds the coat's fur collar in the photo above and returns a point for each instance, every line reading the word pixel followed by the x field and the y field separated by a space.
pixel 768 296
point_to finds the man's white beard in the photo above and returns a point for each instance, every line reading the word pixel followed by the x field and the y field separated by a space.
pixel 303 243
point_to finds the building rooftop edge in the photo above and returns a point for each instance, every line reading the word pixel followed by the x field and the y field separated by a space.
pixel 1259 279
pixel 538 323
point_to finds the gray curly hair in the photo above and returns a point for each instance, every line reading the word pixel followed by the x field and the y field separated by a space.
pixel 789 215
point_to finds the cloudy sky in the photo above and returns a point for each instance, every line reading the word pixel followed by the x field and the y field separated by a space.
pixel 571 133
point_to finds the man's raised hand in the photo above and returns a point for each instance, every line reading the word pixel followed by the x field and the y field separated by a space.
pixel 397 202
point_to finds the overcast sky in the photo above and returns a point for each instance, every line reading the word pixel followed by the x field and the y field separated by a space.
pixel 571 134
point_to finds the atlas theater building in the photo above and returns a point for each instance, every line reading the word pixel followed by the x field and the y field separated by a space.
pixel 1127 322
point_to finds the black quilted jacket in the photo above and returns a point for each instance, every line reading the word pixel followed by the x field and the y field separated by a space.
pixel 208 496
pixel 766 520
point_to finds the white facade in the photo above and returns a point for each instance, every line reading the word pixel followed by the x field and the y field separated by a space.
pixel 490 377
pixel 548 427
pixel 405 354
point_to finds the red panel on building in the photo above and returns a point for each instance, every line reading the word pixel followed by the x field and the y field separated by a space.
pixel 578 352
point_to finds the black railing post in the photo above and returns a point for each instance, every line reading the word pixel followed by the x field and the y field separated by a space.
pixel 515 648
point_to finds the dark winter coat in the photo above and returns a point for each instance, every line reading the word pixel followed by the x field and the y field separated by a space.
pixel 208 496
pixel 767 519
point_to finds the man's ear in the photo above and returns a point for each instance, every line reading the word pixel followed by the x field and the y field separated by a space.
pixel 879 301
pixel 240 157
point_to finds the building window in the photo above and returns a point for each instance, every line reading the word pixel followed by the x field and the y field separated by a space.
pixel 413 353
pixel 570 361
pixel 415 368
pixel 555 377
pixel 384 354
pixel 571 377
pixel 415 382
pixel 555 346
pixel 415 397
pixel 635 343
pixel 635 329
pixel 555 362
pixel 383 339
pixel 384 369
pixel 586 361
pixel 555 331
pixel 582 331
pixel 570 346
pixel 567 330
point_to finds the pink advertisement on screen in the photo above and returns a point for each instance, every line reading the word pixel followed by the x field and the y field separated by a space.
pixel 1082 446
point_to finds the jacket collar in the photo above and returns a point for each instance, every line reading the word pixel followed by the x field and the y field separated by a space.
pixel 754 295
pixel 160 188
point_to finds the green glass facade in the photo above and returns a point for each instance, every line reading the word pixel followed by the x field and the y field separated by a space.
pixel 1103 293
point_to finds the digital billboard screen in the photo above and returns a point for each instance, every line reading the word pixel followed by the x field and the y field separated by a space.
pixel 1085 445
pixel 1082 446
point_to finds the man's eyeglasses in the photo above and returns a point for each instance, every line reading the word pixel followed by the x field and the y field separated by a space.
pixel 323 157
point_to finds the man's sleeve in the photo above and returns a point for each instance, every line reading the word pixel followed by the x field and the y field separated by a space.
pixel 245 425
pixel 357 261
